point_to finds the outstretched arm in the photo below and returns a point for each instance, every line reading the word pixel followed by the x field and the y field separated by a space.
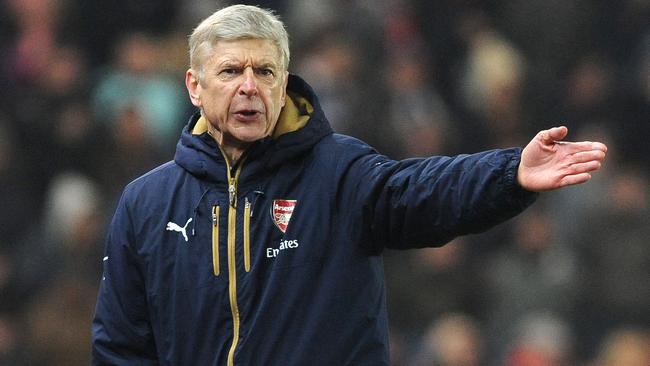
pixel 549 163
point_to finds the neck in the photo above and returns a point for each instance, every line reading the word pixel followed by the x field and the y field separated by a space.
pixel 232 150
pixel 232 153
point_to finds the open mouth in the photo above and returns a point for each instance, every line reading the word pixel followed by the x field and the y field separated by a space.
pixel 247 113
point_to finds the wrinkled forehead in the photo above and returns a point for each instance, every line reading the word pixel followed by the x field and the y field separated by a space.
pixel 259 51
pixel 262 50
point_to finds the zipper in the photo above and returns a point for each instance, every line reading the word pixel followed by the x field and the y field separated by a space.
pixel 215 239
pixel 247 235
pixel 232 263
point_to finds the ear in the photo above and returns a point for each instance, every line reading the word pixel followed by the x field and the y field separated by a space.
pixel 193 86
pixel 284 88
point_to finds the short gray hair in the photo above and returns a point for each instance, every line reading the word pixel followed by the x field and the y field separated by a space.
pixel 237 22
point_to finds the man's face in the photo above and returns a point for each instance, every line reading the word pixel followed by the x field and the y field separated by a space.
pixel 242 91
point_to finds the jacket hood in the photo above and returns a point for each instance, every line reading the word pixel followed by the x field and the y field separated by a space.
pixel 300 126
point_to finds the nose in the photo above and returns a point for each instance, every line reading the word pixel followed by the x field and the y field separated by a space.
pixel 248 86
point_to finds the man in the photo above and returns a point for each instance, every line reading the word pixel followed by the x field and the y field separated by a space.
pixel 260 244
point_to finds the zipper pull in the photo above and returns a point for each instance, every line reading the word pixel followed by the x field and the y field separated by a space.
pixel 214 216
pixel 255 197
pixel 248 205
pixel 232 193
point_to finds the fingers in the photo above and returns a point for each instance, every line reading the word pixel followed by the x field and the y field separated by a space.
pixel 554 134
pixel 599 146
pixel 557 134
pixel 583 164
pixel 573 148
pixel 590 155
pixel 570 180
pixel 585 167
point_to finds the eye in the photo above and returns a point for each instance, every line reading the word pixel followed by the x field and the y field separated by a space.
pixel 228 71
pixel 265 72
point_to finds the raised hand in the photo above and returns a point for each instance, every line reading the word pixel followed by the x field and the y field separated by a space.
pixel 549 163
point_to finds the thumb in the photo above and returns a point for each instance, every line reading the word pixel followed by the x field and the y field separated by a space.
pixel 554 134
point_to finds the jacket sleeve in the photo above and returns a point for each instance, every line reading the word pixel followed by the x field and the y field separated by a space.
pixel 427 202
pixel 121 330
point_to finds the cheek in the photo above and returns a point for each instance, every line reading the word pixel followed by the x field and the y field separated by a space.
pixel 217 103
pixel 276 100
pixel 273 112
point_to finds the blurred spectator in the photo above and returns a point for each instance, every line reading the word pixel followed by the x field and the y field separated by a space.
pixel 625 347
pixel 67 74
pixel 309 16
pixel 37 23
pixel 615 259
pixel 58 267
pixel 16 194
pixel 359 20
pixel 68 240
pixel 543 25
pixel 58 322
pixel 331 66
pixel 99 25
pixel 454 339
pixel 16 212
pixel 134 80
pixel 441 24
pixel 81 143
pixel 38 113
pixel 491 85
pixel 418 117
pixel 541 340
pixel 424 284
pixel 340 54
pixel 193 11
pixel 133 151
pixel 590 92
pixel 532 273
pixel 633 121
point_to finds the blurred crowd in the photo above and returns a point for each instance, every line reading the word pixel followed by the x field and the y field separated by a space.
pixel 92 96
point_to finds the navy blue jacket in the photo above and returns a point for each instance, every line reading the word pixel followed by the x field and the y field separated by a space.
pixel 277 261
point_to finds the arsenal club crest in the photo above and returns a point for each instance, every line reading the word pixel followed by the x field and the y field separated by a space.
pixel 281 212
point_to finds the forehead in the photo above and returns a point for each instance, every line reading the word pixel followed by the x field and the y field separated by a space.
pixel 245 51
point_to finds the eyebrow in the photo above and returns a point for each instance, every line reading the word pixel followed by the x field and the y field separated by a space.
pixel 232 62
pixel 228 62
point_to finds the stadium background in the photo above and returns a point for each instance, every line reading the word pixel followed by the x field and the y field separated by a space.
pixel 92 96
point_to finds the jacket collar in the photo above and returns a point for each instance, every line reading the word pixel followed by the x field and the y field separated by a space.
pixel 301 125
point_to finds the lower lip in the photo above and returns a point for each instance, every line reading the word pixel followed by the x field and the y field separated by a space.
pixel 246 117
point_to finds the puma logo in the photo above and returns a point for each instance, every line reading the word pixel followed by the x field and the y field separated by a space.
pixel 175 227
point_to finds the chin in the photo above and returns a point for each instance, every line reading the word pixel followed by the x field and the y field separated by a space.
pixel 250 136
